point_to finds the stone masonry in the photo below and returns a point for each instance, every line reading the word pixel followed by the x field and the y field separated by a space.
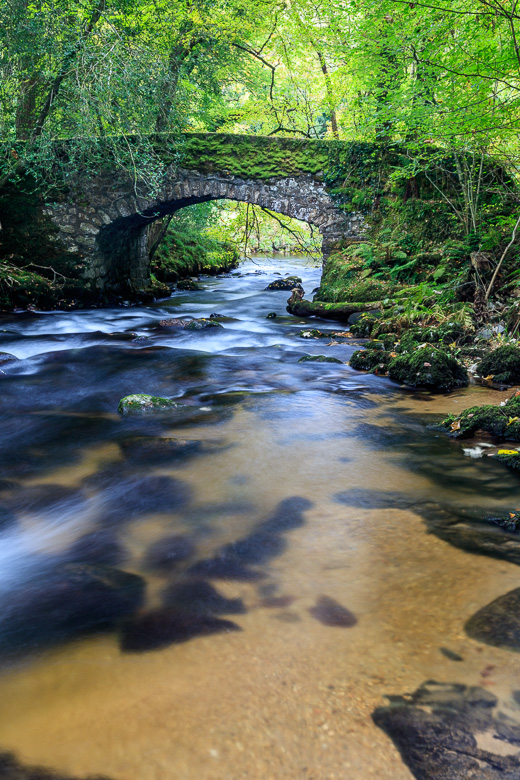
pixel 104 220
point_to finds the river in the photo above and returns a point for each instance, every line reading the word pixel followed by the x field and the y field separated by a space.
pixel 280 693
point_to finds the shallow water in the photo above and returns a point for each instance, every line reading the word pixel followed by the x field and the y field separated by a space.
pixel 288 695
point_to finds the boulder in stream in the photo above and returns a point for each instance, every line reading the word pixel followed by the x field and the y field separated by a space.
pixel 452 732
pixel 285 284
pixel 498 623
pixel 140 402
pixel 319 359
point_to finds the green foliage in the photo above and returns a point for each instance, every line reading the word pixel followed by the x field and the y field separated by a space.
pixel 188 250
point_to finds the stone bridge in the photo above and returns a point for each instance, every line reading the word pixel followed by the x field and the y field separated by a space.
pixel 103 219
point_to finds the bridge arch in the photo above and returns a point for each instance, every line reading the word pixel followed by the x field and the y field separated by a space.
pixel 105 222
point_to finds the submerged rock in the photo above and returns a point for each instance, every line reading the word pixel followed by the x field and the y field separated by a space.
pixel 67 602
pixel 498 623
pixel 132 497
pixel 201 598
pixel 12 769
pixel 452 732
pixel 157 449
pixel 163 627
pixel 166 553
pixel 332 613
pixel 140 402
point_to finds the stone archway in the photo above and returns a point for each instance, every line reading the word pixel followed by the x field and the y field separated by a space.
pixel 105 222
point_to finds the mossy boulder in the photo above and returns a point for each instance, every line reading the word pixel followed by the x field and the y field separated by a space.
pixel 503 364
pixel 140 402
pixel 201 323
pixel 363 326
pixel 509 458
pixel 370 360
pixel 428 367
pixel 318 359
pixel 188 284
pixel 284 284
pixel 196 324
pixel 503 422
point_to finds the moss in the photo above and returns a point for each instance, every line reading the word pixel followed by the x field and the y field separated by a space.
pixel 139 402
pixel 503 364
pixel 509 458
pixel 503 422
pixel 428 367
pixel 509 522
pixel 370 360
pixel 201 323
pixel 283 284
pixel 252 157
pixel 318 359
pixel 188 284
pixel 364 325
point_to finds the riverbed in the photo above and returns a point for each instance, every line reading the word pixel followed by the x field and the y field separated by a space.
pixel 279 692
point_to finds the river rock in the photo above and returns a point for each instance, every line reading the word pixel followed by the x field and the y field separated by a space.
pixel 201 598
pixel 160 628
pixel 498 623
pixel 6 357
pixel 12 769
pixel 134 496
pixel 452 732
pixel 169 551
pixel 157 449
pixel 471 530
pixel 188 284
pixel 331 613
pixel 140 402
pixel 66 602
pixel 199 323
pixel 318 359
pixel 284 284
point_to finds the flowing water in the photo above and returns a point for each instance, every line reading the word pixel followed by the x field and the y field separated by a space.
pixel 278 504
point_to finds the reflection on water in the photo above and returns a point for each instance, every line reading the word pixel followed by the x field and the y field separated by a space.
pixel 228 589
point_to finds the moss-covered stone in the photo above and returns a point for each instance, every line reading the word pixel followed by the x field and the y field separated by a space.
pixel 283 284
pixel 503 422
pixel 196 324
pixel 318 359
pixel 188 284
pixel 428 367
pixel 139 402
pixel 364 326
pixel 370 360
pixel 503 364
pixel 509 458
pixel 201 323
